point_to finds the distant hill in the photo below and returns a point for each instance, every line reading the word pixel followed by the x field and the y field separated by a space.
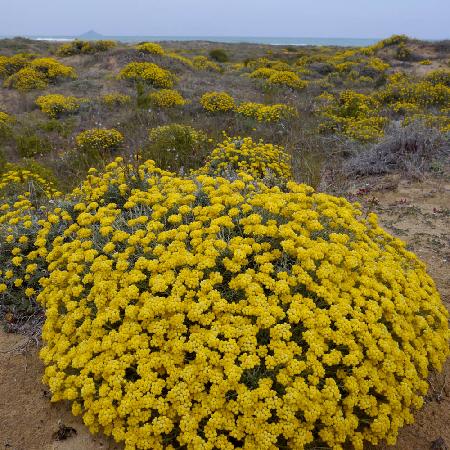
pixel 91 35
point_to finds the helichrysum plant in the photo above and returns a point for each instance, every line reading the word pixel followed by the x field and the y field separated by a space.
pixel 209 312
pixel 56 105
pixel 266 113
pixel 151 48
pixel 166 98
pixel 149 73
pixel 99 140
pixel 115 99
pixel 217 102
pixel 38 73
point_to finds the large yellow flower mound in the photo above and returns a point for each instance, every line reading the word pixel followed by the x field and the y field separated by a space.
pixel 206 313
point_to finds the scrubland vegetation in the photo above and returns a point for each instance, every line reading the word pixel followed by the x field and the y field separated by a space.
pixel 168 216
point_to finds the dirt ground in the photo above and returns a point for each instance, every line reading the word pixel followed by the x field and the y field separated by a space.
pixel 417 212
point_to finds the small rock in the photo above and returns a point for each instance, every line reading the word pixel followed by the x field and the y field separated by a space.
pixel 439 444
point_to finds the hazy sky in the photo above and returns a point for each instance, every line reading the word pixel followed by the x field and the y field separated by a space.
pixel 284 18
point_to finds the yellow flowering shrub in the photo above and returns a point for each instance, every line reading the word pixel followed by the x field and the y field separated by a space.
pixel 286 79
pixel 440 76
pixel 22 196
pixel 6 120
pixel 115 99
pixel 148 73
pixel 99 140
pixel 180 58
pixel 203 63
pixel 266 113
pixel 78 47
pixel 150 47
pixel 217 102
pixel 166 98
pixel 176 146
pixel 432 91
pixel 353 114
pixel 212 313
pixel 262 72
pixel 55 105
pixel 256 158
pixel 26 79
pixel 38 73
pixel 9 65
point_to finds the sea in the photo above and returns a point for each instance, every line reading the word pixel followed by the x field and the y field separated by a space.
pixel 342 42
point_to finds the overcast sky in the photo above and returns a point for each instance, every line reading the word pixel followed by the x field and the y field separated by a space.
pixel 272 18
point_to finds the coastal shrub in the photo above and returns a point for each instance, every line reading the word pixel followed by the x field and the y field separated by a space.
pixel 256 158
pixel 263 72
pixel 410 148
pixel 217 102
pixel 166 98
pixel 149 73
pixel 29 143
pixel 26 79
pixel 353 114
pixel 151 48
pixel 180 58
pixel 440 76
pixel 56 105
pixel 176 146
pixel 6 120
pixel 219 55
pixel 403 53
pixel 99 140
pixel 38 73
pixel 115 99
pixel 9 65
pixel 219 313
pixel 266 113
pixel 23 194
pixel 80 47
pixel 286 79
pixel 203 63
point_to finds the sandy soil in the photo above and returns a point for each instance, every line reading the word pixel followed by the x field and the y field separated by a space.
pixel 416 212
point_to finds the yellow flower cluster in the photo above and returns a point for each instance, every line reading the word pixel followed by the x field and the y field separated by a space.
pixel 203 63
pixel 352 114
pixel 99 140
pixel 55 105
pixel 440 76
pixel 259 159
pixel 79 47
pixel 5 118
pixel 274 77
pixel 215 311
pixel 433 91
pixel 151 48
pixel 37 73
pixel 115 99
pixel 217 102
pixel 183 59
pixel 22 195
pixel 267 113
pixel 12 64
pixel 166 98
pixel 212 313
pixel 148 73
pixel 286 79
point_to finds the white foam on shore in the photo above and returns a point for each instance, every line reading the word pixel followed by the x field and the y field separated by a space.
pixel 53 39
